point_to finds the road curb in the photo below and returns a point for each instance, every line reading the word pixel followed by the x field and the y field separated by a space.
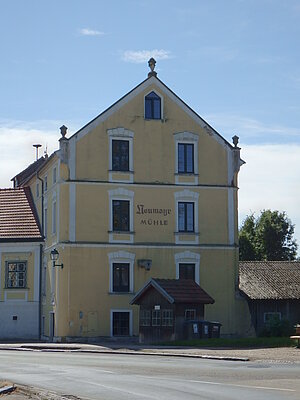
pixel 137 352
pixel 7 389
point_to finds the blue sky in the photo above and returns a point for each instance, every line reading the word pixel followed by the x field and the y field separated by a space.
pixel 235 62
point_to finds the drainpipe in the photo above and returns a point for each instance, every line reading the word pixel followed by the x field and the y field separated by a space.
pixel 40 292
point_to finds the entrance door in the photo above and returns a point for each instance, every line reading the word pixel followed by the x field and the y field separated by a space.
pixel 120 323
pixel 51 325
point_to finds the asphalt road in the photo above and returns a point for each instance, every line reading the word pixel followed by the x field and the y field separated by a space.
pixel 111 377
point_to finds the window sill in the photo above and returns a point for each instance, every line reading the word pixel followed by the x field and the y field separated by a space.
pixel 120 176
pixel 121 293
pixel 186 174
pixel 16 288
pixel 122 232
pixel 186 233
pixel 121 236
pixel 186 237
pixel 121 171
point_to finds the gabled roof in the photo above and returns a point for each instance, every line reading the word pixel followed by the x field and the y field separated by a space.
pixel 134 92
pixel 28 172
pixel 18 217
pixel 175 291
pixel 270 279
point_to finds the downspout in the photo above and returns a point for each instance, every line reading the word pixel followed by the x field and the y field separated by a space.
pixel 40 292
pixel 41 260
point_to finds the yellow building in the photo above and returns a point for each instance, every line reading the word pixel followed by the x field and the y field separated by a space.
pixel 146 189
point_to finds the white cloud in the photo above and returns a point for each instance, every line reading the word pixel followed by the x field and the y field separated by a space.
pixel 16 151
pixel 90 32
pixel 142 56
pixel 270 180
pixel 251 128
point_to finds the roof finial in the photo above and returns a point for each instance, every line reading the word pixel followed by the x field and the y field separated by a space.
pixel 235 140
pixel 151 64
pixel 63 131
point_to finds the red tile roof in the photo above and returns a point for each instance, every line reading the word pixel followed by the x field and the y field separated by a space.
pixel 18 217
pixel 270 279
pixel 176 291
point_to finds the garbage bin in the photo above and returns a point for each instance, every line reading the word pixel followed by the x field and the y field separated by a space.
pixel 192 330
pixel 204 329
pixel 214 329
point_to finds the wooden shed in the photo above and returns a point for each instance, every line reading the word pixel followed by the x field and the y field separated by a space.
pixel 272 289
pixel 165 307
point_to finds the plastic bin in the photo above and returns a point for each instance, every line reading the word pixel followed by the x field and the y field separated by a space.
pixel 214 329
pixel 204 329
pixel 192 329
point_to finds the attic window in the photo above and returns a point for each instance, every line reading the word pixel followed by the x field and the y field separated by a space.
pixel 152 106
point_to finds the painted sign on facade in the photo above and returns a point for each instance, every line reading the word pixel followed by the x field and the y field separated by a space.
pixel 153 216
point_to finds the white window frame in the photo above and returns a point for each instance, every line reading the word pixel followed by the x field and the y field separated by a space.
pixel 161 106
pixel 45 220
pixel 54 216
pixel 121 194
pixel 186 138
pixel 54 175
pixel 189 197
pixel 188 257
pixel 189 310
pixel 273 313
pixel 46 183
pixel 120 134
pixel 44 275
pixel 113 310
pixel 121 257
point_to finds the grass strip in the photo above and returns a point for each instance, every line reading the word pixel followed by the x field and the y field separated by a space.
pixel 235 343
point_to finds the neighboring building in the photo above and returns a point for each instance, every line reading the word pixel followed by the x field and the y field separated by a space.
pixel 272 289
pixel 166 306
pixel 146 189
pixel 20 253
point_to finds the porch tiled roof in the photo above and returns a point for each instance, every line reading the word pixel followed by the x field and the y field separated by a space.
pixel 176 291
pixel 18 217
pixel 270 279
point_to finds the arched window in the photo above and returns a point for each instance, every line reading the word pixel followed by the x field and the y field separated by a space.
pixel 152 106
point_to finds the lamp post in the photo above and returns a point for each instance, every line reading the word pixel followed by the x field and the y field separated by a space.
pixel 54 255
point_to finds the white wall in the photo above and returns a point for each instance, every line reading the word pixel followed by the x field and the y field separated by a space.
pixel 27 324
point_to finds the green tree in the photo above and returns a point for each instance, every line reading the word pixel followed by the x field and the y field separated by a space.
pixel 267 237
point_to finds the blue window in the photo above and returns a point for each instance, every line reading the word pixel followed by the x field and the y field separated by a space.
pixel 185 158
pixel 152 106
pixel 186 217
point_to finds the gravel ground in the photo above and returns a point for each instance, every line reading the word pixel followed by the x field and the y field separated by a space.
pixel 278 355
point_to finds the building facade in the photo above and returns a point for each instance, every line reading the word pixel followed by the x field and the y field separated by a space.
pixel 20 253
pixel 147 189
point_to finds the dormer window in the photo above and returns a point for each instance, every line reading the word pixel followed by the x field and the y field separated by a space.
pixel 152 106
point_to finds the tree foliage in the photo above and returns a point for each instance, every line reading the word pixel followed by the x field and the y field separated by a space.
pixel 267 237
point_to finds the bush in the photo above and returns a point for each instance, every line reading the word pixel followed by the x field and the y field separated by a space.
pixel 277 328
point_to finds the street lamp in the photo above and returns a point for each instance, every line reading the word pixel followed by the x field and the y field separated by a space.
pixel 54 255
